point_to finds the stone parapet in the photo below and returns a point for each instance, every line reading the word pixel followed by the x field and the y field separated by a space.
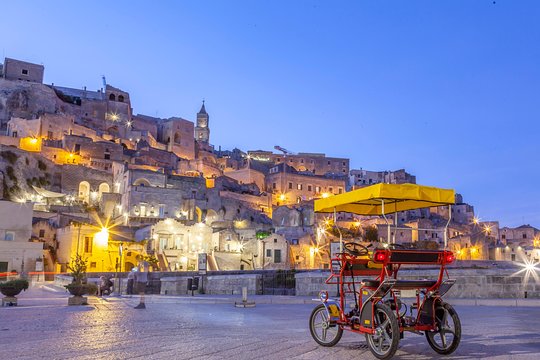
pixel 213 284
pixel 470 283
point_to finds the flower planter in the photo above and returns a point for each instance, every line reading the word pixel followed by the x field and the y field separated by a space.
pixel 10 291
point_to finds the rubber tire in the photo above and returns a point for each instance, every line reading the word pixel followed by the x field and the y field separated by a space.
pixel 457 328
pixel 339 333
pixel 394 327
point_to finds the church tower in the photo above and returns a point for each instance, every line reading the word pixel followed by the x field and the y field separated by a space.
pixel 202 131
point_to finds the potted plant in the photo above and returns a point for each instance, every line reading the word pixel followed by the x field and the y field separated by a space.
pixel 12 288
pixel 78 286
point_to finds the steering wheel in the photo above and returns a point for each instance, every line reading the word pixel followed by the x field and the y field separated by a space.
pixel 355 249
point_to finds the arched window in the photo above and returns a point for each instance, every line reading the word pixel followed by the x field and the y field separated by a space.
pixel 177 138
pixel 121 98
pixel 112 97
pixel 84 191
pixel 103 188
pixel 141 182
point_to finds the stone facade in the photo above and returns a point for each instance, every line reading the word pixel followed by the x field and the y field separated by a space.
pixel 177 133
pixel 317 164
pixel 361 178
pixel 23 71
pixel 16 251
pixel 290 187
pixel 470 283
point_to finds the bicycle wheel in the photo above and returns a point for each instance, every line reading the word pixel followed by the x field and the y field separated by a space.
pixel 383 343
pixel 322 331
pixel 446 338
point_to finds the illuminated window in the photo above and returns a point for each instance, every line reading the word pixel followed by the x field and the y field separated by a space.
pixel 88 244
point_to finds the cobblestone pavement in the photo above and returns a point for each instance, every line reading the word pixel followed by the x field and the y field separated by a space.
pixel 43 326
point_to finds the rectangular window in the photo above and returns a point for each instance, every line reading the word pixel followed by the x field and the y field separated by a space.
pixel 161 210
pixel 277 256
pixel 273 185
pixel 299 186
pixel 41 233
pixel 330 189
pixel 309 188
pixel 268 252
pixel 340 190
pixel 317 189
pixel 88 244
pixel 9 236
pixel 524 236
pixel 290 185
pixel 24 71
pixel 49 135
pixel 294 241
pixel 77 150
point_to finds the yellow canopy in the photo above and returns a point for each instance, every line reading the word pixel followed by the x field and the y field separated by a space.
pixel 396 197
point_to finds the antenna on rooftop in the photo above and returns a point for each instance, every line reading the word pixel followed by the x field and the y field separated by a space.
pixel 104 82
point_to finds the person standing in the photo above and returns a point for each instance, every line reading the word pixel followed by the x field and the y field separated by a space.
pixel 141 278
pixel 130 282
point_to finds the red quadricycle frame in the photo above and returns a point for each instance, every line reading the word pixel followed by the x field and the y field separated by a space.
pixel 370 286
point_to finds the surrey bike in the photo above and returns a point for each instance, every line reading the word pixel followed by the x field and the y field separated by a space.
pixel 369 285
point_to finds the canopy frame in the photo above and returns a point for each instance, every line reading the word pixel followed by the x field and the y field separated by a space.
pixel 376 199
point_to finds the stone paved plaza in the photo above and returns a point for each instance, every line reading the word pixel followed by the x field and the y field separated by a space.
pixel 43 326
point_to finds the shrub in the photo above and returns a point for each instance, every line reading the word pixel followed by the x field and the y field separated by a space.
pixel 10 156
pixel 41 165
pixel 11 173
pixel 19 284
pixel 77 266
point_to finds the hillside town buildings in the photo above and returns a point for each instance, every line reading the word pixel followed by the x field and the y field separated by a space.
pixel 89 176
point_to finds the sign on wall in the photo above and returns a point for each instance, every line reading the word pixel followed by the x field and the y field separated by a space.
pixel 202 263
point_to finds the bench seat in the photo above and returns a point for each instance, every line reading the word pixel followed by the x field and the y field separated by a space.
pixel 402 284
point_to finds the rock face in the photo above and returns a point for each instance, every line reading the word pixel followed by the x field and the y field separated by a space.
pixel 25 100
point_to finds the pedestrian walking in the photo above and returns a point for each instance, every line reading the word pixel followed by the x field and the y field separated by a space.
pixel 130 282
pixel 141 279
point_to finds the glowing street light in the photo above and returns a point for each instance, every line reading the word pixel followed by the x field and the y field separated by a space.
pixel 102 237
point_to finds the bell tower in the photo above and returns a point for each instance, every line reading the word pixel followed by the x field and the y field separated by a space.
pixel 202 131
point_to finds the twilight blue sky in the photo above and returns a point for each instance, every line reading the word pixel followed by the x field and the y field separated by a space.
pixel 448 90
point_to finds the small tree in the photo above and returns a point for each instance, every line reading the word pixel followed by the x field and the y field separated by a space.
pixel 371 234
pixel 77 266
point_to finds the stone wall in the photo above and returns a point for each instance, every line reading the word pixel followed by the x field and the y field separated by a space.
pixel 470 283
pixel 213 284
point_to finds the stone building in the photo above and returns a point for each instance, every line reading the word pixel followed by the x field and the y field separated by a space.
pixel 148 196
pixel 177 133
pixel 100 249
pixel 524 235
pixel 317 164
pixel 361 178
pixel 289 186
pixel 16 251
pixel 22 71
pixel 202 131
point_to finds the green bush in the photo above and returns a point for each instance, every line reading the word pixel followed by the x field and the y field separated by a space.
pixel 19 284
pixel 77 268
pixel 41 165
pixel 10 156
pixel 11 173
